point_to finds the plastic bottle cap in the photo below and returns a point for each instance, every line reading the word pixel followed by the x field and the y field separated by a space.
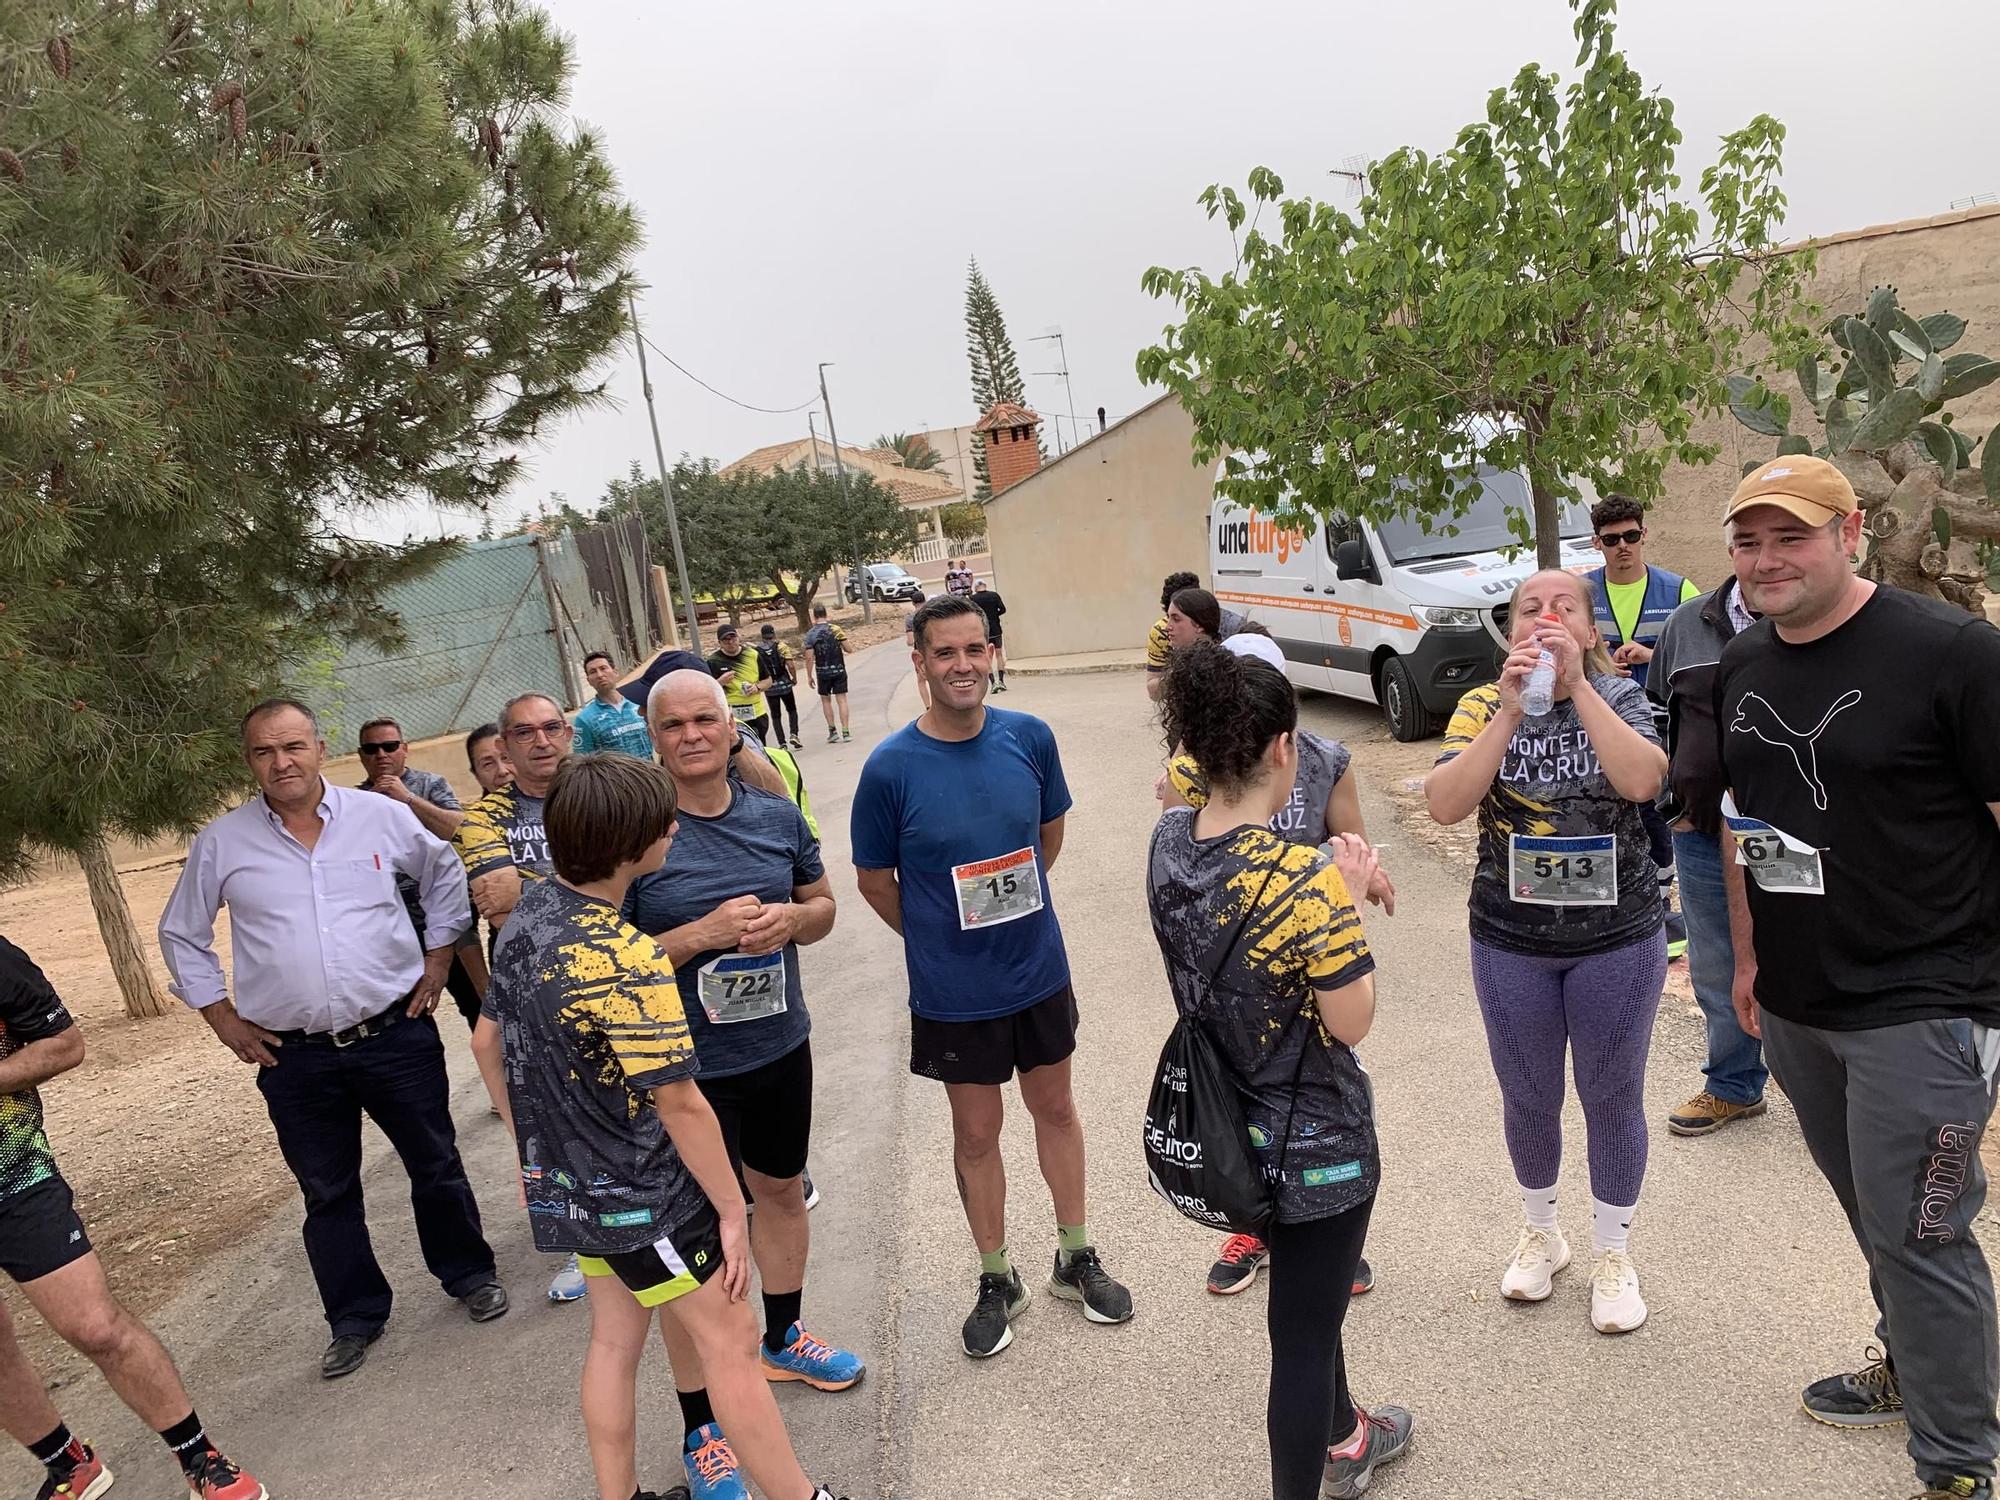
pixel 1549 618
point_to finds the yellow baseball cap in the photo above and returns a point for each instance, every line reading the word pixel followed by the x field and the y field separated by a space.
pixel 1810 488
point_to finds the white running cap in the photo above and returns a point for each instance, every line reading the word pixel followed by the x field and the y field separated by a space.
pixel 1260 646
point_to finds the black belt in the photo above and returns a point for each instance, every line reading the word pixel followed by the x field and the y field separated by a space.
pixel 347 1036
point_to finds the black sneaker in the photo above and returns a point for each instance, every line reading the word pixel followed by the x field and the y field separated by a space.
pixel 678 1492
pixel 1084 1279
pixel 1868 1397
pixel 1364 1279
pixel 1001 1300
pixel 1958 1487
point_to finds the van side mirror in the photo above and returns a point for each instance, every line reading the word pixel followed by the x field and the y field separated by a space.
pixel 1350 560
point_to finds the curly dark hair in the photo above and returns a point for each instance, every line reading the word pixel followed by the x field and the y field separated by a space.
pixel 1174 583
pixel 1200 606
pixel 1615 508
pixel 1224 710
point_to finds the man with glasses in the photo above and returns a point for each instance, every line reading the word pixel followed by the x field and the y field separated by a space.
pixel 1634 602
pixel 503 843
pixel 330 999
pixel 385 758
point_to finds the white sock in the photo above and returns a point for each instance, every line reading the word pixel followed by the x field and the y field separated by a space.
pixel 1539 1204
pixel 1610 1226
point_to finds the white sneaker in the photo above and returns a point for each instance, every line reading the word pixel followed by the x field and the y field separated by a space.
pixel 1530 1275
pixel 1615 1303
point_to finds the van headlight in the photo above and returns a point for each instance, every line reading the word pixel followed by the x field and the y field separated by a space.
pixel 1442 617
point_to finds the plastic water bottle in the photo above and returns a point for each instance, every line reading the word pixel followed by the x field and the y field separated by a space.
pixel 1539 695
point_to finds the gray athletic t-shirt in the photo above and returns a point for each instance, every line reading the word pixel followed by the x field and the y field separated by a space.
pixel 740 1015
pixel 1302 820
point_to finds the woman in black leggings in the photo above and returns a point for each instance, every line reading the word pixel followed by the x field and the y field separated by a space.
pixel 1264 950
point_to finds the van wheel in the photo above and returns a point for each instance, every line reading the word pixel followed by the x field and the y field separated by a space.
pixel 1408 718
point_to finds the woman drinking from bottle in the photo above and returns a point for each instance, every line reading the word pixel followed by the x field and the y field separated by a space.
pixel 1568 951
pixel 1264 951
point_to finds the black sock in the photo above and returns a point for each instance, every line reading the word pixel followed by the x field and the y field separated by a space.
pixel 53 1450
pixel 781 1311
pixel 695 1410
pixel 189 1442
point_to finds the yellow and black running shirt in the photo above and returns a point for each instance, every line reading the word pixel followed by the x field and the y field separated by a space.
pixel 1159 647
pixel 1250 926
pixel 1551 785
pixel 30 1011
pixel 502 829
pixel 745 701
pixel 590 1024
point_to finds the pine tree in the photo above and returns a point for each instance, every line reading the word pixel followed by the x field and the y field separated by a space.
pixel 260 267
pixel 996 373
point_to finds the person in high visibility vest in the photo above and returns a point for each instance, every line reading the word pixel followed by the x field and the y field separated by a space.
pixel 1634 601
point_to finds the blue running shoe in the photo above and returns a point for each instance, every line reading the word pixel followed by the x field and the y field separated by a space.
pixel 804 1357
pixel 569 1285
pixel 712 1470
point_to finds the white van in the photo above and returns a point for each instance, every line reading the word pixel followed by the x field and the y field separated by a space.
pixel 1390 613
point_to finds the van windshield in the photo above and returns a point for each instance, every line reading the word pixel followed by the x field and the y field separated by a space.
pixel 1483 528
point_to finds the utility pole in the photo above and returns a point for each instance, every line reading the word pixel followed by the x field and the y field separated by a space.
pixel 853 541
pixel 666 485
pixel 812 426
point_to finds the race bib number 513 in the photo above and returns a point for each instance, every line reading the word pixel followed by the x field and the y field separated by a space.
pixel 992 891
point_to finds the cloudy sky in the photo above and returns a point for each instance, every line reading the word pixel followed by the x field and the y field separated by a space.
pixel 813 177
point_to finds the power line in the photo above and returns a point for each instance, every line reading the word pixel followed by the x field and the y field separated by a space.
pixel 775 411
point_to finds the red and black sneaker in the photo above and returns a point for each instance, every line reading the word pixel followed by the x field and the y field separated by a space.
pixel 1237 1266
pixel 216 1478
pixel 1364 1278
pixel 84 1478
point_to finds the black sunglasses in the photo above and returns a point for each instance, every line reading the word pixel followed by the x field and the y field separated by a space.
pixel 1630 538
pixel 382 747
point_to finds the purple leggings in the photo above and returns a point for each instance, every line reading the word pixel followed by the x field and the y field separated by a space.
pixel 1602 1009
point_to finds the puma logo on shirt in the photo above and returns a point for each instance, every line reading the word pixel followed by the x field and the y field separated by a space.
pixel 1756 716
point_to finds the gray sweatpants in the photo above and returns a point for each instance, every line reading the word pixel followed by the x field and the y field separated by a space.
pixel 1893 1118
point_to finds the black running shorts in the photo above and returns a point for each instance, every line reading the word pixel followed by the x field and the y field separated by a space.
pixel 672 1266
pixel 832 684
pixel 766 1114
pixel 39 1231
pixel 993 1051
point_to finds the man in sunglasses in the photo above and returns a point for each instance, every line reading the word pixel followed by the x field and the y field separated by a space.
pixel 1634 602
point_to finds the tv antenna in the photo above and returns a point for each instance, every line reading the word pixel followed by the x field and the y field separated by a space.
pixel 1354 170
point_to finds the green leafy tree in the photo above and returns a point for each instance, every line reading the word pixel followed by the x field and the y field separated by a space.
pixel 755 536
pixel 962 521
pixel 996 372
pixel 1539 297
pixel 911 451
pixel 261 267
pixel 1880 385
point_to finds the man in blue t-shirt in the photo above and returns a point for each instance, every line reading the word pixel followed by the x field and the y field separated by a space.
pixel 742 889
pixel 956 822
pixel 610 721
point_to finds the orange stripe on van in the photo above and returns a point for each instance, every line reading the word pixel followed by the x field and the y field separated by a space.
pixel 1325 607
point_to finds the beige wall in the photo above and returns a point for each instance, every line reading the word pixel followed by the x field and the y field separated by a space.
pixel 1947 264
pixel 1079 548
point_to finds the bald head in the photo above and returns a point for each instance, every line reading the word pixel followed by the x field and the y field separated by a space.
pixel 693 730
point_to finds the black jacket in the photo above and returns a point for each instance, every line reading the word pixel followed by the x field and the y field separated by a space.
pixel 1682 681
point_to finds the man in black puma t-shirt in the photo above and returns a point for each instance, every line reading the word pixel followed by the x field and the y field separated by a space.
pixel 1860 743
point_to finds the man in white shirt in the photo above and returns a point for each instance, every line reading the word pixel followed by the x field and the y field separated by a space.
pixel 332 1003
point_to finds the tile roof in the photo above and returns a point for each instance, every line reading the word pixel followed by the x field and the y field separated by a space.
pixel 920 487
pixel 1006 414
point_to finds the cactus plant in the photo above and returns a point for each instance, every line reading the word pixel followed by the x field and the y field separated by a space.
pixel 1880 394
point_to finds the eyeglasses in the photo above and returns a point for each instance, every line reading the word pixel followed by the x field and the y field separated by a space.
pixel 382 747
pixel 527 734
pixel 1630 538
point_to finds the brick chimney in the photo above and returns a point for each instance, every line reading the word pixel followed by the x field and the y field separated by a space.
pixel 1013 452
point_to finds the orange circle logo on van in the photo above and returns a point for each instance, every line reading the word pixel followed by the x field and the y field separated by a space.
pixel 1346 631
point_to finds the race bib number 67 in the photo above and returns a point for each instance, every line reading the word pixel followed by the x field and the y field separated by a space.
pixel 992 891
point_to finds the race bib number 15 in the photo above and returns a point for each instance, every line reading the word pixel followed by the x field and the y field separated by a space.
pixel 992 891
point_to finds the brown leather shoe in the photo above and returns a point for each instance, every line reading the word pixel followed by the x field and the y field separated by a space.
pixel 1705 1114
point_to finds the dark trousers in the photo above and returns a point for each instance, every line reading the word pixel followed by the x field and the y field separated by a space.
pixel 317 1095
pixel 464 993
pixel 1893 1117
pixel 780 702
pixel 1309 1409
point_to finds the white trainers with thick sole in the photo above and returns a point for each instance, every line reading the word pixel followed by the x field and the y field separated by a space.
pixel 1530 1275
pixel 1615 1303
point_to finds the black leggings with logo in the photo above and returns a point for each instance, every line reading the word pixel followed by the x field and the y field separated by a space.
pixel 1309 1410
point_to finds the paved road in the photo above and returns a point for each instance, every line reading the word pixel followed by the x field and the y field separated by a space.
pixel 1753 1281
